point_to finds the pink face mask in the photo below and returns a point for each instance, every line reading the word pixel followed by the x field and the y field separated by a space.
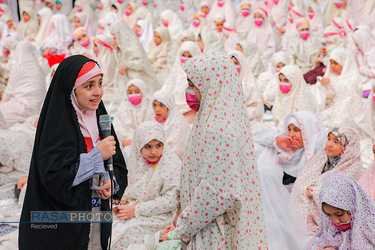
pixel 311 15
pixel 25 20
pixel 304 35
pixel 58 7
pixel 343 226
pixel 128 12
pixel 139 34
pixel 165 23
pixel 196 23
pixel 284 88
pixel 79 9
pixel 338 5
pixel 245 13
pixel 183 59
pixel 289 7
pixel 120 1
pixel 85 43
pixel 50 6
pixel 278 70
pixel 373 97
pixel 42 1
pixel 162 120
pixel 290 19
pixel 258 21
pixel 144 3
pixel 154 5
pixel 6 52
pixel 190 99
pixel 220 4
pixel 182 7
pixel 152 163
pixel 135 99
pixel 275 1
pixel 100 6
pixel 238 69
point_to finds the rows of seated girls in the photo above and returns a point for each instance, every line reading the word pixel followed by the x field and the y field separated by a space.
pixel 306 71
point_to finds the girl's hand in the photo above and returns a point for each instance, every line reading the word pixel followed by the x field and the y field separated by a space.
pixel 323 51
pixel 107 147
pixel 169 228
pixel 177 214
pixel 325 80
pixel 287 143
pixel 308 194
pixel 126 212
pixel 164 236
pixel 122 70
pixel 126 142
pixel 282 31
pixel 22 182
pixel 106 192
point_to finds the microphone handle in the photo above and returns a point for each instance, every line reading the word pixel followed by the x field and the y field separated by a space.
pixel 107 133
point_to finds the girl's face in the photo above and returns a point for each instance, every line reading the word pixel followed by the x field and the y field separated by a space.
pixel 296 134
pixel 183 40
pixel 77 23
pixel 133 90
pixel 311 10
pixel 137 29
pixel 258 15
pixel 200 43
pixel 191 86
pixel 152 150
pixel 304 30
pixel 90 93
pixel 25 17
pixel 205 9
pixel 239 48
pixel 336 215
pixel 235 61
pixel 333 146
pixel 157 39
pixel 280 65
pixel 160 110
pixel 81 38
pixel 335 67
pixel 187 54
pixel 219 27
pixel 284 80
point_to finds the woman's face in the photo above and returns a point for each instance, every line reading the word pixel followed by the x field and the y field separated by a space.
pixel 77 23
pixel 90 93
pixel 295 134
pixel 191 86
pixel 160 110
pixel 133 90
pixel 335 67
pixel 333 146
pixel 336 215
pixel 157 39
pixel 152 150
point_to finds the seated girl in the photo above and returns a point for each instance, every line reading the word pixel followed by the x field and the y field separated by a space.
pixel 254 105
pixel 129 16
pixel 339 155
pixel 244 18
pixel 251 51
pixel 132 111
pixel 304 47
pixel 347 216
pixel 174 124
pixel 83 43
pixel 208 41
pixel 342 83
pixel 293 94
pixel 176 81
pixel 149 201
pixel 367 180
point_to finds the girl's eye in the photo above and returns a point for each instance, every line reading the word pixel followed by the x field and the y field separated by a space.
pixel 89 86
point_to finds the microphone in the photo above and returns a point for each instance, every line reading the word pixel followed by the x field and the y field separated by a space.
pixel 105 126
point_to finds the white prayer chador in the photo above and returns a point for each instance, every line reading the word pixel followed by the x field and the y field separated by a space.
pixel 268 81
pixel 176 127
pixel 131 19
pixel 243 23
pixel 210 41
pixel 143 13
pixel 26 87
pixel 279 13
pixel 294 13
pixel 177 80
pixel 298 98
pixel 30 28
pixel 220 194
pixel 147 33
pixel 129 116
pixel 46 26
pixel 283 218
pixel 263 36
pixel 175 25
pixel 227 9
pixel 251 51
pixel 78 48
pixel 202 23
pixel 347 101
pixel 61 36
pixel 154 192
pixel 132 55
pixel 232 38
pixel 87 23
pixel 317 23
pixel 254 104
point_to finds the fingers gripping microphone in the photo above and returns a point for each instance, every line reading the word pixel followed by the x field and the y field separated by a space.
pixel 105 126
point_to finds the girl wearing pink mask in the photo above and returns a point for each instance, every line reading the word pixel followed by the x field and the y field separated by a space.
pixel 346 215
pixel 254 105
pixel 28 27
pixel 198 24
pixel 335 8
pixel 83 43
pixel 341 84
pixel 173 23
pixel 289 30
pixel 224 7
pixel 173 122
pixel 176 80
pixel 133 110
pixel 304 46
pixel 262 34
pixel 129 16
pixel 145 33
pixel 244 18
pixel 340 154
pixel 316 19
pixel 293 94
pixel 279 12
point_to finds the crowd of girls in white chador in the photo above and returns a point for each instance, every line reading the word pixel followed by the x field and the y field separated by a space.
pixel 243 123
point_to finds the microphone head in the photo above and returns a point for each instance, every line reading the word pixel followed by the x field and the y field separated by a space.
pixel 105 122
